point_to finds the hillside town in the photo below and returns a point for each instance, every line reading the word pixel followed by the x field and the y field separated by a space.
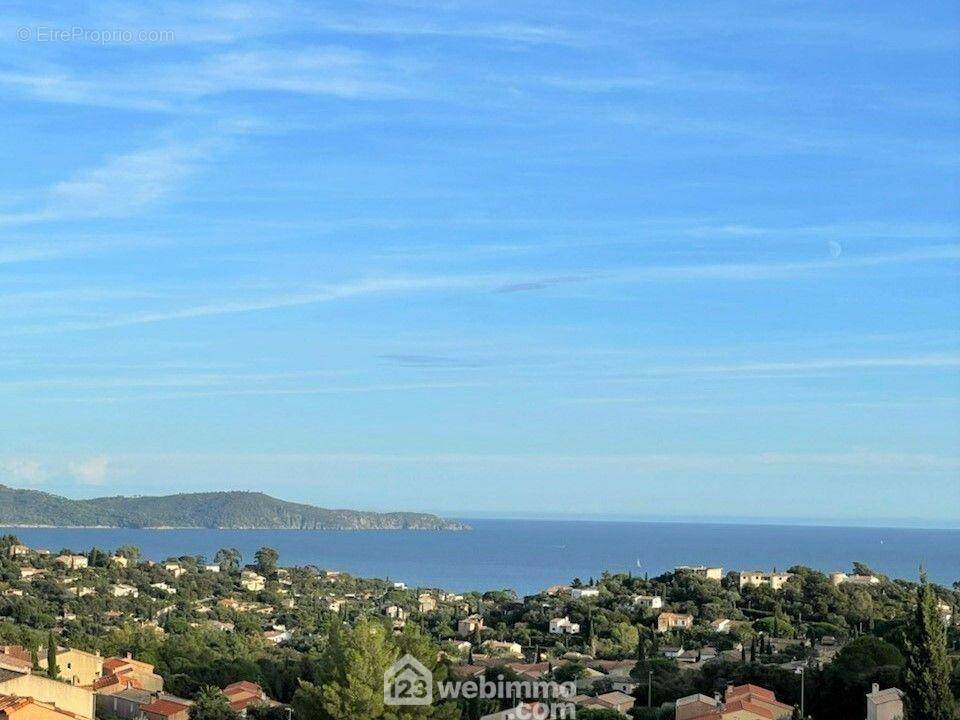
pixel 111 635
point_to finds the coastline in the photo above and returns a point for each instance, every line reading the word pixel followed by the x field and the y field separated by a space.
pixel 525 555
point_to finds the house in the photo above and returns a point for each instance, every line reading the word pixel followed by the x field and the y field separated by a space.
pixel 174 568
pixel 946 611
pixel 667 621
pixel 395 612
pixel 244 694
pixel 469 626
pixel 559 626
pixel 249 580
pixel 721 625
pixel 17 550
pixel 278 635
pixel 583 593
pixel 165 710
pixel 555 590
pixel 120 560
pixel 744 702
pixel 399 586
pixel 839 578
pixel 169 590
pixel 76 666
pixel 885 704
pixel 502 648
pixel 617 701
pixel 212 568
pixel 695 706
pixel 124 703
pixel 121 590
pixel 427 603
pixel 16 658
pixel 73 562
pixel 627 687
pixel 672 652
pixel 61 695
pixel 757 578
pixel 136 671
pixel 523 711
pixel 655 602
pixel 27 573
pixel 709 573
pixel 26 708
pixel 750 697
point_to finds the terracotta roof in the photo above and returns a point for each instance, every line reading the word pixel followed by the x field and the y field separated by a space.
pixel 165 708
pixel 118 678
pixel 747 706
pixel 755 694
pixel 736 691
pixel 12 703
pixel 17 651
pixel 242 686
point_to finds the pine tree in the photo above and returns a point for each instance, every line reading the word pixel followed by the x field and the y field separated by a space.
pixel 211 704
pixel 927 675
pixel 53 670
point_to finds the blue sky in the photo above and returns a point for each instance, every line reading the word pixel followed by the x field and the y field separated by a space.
pixel 619 258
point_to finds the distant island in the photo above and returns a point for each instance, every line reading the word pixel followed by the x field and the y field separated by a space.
pixel 216 510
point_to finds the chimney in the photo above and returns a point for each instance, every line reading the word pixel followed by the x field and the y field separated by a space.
pixel 129 656
pixel 876 688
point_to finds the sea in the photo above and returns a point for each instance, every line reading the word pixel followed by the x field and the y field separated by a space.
pixel 529 555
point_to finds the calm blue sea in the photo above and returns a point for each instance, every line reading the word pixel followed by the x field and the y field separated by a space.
pixel 529 555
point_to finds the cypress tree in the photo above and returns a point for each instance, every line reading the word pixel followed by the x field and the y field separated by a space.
pixel 927 674
pixel 52 669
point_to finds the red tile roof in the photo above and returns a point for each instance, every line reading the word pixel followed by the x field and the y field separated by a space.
pixel 164 708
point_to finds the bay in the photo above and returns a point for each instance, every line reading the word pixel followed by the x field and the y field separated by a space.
pixel 529 555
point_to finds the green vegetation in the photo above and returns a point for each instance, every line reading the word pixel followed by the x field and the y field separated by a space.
pixel 339 634
pixel 208 510
pixel 211 704
pixel 927 674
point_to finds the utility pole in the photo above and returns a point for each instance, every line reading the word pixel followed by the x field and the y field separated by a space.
pixel 649 688
pixel 800 669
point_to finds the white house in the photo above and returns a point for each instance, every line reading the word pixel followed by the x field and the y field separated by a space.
pixel 649 601
pixel 249 580
pixel 773 580
pixel 559 626
pixel 721 625
pixel 583 593
pixel 121 590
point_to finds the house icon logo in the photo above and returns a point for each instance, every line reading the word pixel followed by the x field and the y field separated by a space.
pixel 407 682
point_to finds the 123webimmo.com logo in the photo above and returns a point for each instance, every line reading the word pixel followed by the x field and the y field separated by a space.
pixel 408 682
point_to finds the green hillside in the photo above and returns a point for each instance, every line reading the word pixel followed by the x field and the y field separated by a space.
pixel 236 510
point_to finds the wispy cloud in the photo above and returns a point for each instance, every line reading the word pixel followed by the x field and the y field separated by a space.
pixel 497 282
pixel 798 368
pixel 90 471
pixel 25 471
pixel 432 361
pixel 123 185
pixel 175 87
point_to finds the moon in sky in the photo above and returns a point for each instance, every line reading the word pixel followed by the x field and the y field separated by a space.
pixel 835 248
